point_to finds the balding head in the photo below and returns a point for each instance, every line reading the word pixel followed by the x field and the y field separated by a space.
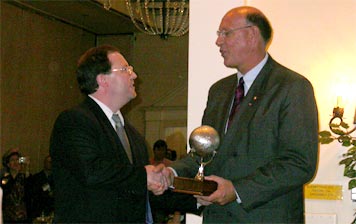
pixel 254 17
pixel 243 37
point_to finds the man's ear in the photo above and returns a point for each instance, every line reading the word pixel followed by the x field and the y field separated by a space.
pixel 101 80
pixel 253 33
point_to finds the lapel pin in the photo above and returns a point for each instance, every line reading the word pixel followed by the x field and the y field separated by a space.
pixel 254 99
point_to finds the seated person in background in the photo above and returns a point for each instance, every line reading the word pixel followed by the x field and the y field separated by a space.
pixel 42 201
pixel 160 214
pixel 159 153
pixel 171 154
pixel 14 184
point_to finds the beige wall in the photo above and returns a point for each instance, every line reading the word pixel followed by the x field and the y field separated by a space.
pixel 38 59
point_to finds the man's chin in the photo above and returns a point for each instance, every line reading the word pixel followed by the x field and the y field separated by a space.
pixel 228 64
pixel 133 95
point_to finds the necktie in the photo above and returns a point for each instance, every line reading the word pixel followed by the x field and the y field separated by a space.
pixel 122 135
pixel 239 95
pixel 125 142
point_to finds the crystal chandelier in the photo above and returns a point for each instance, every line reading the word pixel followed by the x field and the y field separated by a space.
pixel 159 17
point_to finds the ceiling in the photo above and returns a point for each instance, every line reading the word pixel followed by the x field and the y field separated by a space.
pixel 89 15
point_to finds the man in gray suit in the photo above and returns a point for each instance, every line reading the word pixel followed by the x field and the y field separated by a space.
pixel 269 149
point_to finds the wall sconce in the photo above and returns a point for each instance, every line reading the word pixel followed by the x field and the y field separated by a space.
pixel 341 128
pixel 344 137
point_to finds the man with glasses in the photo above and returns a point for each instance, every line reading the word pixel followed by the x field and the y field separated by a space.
pixel 268 148
pixel 99 161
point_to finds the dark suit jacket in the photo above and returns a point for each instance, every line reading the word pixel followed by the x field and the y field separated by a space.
pixel 270 149
pixel 41 194
pixel 95 182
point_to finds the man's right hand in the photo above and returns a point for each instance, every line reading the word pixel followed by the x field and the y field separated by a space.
pixel 156 181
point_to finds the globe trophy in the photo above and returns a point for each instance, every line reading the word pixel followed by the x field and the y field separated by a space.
pixel 203 142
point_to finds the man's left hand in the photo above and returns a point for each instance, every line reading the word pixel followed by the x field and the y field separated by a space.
pixel 224 194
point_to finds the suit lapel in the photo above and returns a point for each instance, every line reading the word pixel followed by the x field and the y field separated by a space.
pixel 108 130
pixel 226 97
pixel 137 143
pixel 249 106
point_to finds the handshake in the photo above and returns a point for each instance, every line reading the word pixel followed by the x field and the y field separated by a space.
pixel 159 178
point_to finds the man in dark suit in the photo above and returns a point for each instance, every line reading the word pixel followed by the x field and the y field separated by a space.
pixel 268 150
pixel 41 188
pixel 96 179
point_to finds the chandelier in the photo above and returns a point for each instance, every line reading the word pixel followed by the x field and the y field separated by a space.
pixel 159 17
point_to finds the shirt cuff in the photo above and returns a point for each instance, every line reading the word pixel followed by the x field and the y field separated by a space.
pixel 238 199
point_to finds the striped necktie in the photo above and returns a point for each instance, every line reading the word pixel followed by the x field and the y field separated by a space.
pixel 239 95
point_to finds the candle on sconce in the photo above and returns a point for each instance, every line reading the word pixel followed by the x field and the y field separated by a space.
pixel 338 111
pixel 338 101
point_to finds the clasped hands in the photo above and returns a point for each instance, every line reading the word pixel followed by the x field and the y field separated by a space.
pixel 159 178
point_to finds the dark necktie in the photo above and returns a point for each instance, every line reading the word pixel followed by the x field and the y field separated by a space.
pixel 239 95
pixel 122 135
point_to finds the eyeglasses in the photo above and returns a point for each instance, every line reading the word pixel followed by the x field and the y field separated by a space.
pixel 129 69
pixel 224 33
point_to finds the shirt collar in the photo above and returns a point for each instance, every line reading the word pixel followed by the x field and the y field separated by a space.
pixel 251 75
pixel 107 111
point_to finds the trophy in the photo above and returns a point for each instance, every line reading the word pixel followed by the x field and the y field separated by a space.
pixel 203 142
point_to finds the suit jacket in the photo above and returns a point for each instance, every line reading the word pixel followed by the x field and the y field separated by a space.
pixel 95 182
pixel 41 195
pixel 270 150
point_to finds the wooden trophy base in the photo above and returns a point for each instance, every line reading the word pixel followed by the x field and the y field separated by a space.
pixel 193 186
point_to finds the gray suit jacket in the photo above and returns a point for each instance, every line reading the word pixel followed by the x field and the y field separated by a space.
pixel 270 150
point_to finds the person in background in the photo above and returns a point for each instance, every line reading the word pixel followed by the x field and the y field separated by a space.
pixel 269 143
pixel 99 160
pixel 171 154
pixel 15 186
pixel 160 153
pixel 160 215
pixel 42 200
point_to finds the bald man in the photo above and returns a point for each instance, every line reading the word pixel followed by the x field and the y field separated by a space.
pixel 269 148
